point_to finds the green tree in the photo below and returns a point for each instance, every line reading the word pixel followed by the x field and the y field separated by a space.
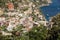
pixel 38 33
pixel 56 20
pixel 54 32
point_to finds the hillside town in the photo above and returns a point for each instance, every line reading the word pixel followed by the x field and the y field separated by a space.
pixel 21 12
pixel 19 17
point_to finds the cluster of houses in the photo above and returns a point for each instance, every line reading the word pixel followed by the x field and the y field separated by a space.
pixel 22 17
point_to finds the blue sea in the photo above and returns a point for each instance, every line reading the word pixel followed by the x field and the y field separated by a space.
pixel 51 10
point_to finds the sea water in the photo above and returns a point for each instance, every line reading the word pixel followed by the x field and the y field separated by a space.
pixel 51 10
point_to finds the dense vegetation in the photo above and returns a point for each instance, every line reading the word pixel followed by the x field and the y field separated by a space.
pixel 54 32
pixel 37 32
